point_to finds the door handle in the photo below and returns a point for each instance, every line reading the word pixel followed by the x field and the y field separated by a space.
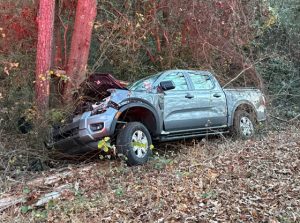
pixel 189 96
pixel 216 95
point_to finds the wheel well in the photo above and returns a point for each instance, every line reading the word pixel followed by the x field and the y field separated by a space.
pixel 246 107
pixel 140 114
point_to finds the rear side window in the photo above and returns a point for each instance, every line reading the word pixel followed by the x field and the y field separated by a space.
pixel 178 80
pixel 201 82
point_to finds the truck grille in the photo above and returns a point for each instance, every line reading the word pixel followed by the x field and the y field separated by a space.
pixel 60 134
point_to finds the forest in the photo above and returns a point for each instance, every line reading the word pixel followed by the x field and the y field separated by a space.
pixel 48 48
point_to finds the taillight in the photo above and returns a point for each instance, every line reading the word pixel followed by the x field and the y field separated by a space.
pixel 263 100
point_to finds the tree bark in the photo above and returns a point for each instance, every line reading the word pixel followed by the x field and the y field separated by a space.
pixel 44 52
pixel 80 46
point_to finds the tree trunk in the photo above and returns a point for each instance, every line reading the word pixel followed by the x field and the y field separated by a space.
pixel 44 52
pixel 80 46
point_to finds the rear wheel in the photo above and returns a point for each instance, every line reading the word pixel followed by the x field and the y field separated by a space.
pixel 244 124
pixel 134 142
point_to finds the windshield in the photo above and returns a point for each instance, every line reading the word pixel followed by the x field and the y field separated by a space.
pixel 145 84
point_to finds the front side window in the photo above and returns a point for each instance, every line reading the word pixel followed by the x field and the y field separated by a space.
pixel 201 82
pixel 145 84
pixel 178 80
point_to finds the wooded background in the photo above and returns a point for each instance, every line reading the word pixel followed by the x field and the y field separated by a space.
pixel 257 41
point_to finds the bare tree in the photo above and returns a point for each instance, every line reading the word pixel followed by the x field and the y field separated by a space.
pixel 44 52
pixel 80 46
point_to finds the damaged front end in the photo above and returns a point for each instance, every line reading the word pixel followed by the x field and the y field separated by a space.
pixel 93 117
pixel 94 90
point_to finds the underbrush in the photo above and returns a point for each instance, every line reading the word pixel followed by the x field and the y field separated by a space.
pixel 23 129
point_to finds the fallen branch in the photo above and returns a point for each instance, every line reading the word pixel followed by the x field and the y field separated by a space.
pixel 11 201
pixel 243 71
pixel 55 194
pixel 283 120
pixel 237 76
pixel 48 182
pixel 293 119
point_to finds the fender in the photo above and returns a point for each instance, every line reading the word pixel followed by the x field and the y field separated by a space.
pixel 136 102
pixel 233 110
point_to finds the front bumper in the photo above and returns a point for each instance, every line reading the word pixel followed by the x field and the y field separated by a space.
pixel 81 136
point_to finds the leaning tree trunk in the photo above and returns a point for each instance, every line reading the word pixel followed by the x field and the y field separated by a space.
pixel 80 46
pixel 44 52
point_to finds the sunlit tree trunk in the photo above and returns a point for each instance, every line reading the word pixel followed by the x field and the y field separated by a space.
pixel 44 52
pixel 80 46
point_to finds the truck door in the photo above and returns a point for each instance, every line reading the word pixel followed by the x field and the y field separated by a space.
pixel 181 108
pixel 207 88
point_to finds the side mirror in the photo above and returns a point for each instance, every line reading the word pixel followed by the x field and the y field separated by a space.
pixel 167 85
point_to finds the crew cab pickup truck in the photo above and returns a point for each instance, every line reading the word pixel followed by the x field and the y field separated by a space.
pixel 170 105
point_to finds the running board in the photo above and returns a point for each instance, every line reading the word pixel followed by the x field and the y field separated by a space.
pixel 179 136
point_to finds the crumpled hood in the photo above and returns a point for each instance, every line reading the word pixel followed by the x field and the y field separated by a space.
pixel 96 86
pixel 94 89
pixel 99 89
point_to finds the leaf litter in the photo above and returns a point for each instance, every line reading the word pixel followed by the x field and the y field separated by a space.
pixel 211 180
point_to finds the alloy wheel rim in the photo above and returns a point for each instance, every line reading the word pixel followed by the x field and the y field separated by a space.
pixel 140 143
pixel 246 127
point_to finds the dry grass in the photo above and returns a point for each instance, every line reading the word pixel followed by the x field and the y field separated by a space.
pixel 214 180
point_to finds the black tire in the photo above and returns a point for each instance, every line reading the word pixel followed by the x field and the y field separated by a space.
pixel 134 155
pixel 244 125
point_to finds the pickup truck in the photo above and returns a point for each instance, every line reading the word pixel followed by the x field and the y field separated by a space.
pixel 170 105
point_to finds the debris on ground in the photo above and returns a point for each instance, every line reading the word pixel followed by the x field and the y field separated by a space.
pixel 212 180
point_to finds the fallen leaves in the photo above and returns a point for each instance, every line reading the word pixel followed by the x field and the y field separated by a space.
pixel 216 181
pixel 9 66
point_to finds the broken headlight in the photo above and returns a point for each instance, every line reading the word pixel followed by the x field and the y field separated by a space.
pixel 99 108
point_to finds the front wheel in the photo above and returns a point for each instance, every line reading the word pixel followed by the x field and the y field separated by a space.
pixel 244 124
pixel 134 142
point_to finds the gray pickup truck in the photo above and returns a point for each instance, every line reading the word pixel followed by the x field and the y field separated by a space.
pixel 170 105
